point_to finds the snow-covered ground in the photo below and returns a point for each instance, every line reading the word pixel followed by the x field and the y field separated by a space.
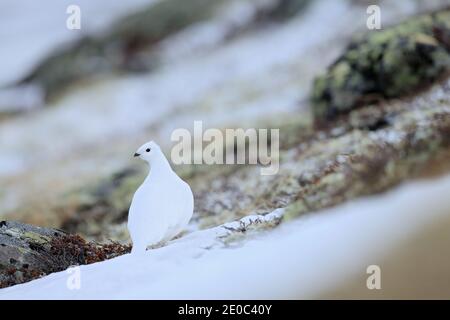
pixel 305 258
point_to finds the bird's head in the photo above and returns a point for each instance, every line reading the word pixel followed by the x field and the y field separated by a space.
pixel 149 152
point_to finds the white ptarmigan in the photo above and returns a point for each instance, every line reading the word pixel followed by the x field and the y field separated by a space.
pixel 162 206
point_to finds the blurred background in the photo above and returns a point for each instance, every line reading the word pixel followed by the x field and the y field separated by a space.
pixel 75 105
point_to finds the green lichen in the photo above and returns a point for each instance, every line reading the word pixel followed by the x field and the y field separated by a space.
pixel 35 237
pixel 384 64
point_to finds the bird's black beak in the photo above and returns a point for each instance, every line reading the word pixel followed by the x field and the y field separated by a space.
pixel 136 154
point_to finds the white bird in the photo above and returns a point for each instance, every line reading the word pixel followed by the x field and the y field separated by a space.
pixel 162 206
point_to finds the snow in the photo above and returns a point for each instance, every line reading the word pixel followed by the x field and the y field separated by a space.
pixel 299 259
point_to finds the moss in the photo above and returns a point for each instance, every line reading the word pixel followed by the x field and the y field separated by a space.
pixel 384 64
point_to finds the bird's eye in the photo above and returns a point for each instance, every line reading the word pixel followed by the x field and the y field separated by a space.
pixel 147 150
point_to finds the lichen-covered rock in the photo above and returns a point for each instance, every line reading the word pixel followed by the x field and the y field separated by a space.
pixel 20 244
pixel 385 64
pixel 335 166
pixel 28 252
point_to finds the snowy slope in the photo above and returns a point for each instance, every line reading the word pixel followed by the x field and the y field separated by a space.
pixel 304 258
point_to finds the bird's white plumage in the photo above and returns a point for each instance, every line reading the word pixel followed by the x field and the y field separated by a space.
pixel 162 206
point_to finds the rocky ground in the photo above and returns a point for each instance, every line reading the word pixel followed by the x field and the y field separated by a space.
pixel 372 112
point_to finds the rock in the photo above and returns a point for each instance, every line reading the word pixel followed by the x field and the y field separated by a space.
pixel 385 64
pixel 28 252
